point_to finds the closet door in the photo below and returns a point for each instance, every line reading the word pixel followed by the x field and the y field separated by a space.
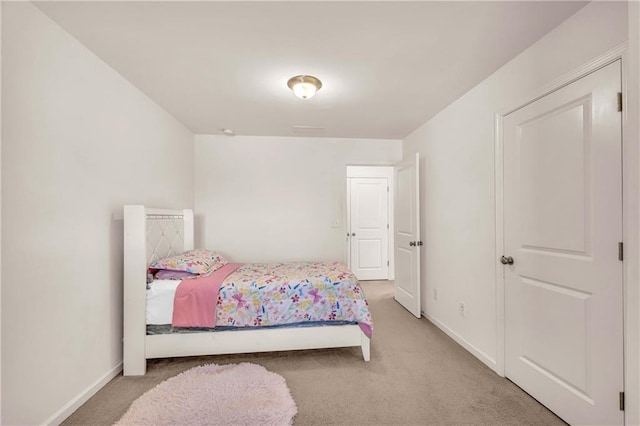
pixel 369 228
pixel 562 226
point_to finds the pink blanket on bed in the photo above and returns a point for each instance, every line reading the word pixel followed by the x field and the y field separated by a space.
pixel 196 299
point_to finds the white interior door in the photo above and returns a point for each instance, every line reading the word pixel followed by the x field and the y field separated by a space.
pixel 407 235
pixel 369 226
pixel 562 225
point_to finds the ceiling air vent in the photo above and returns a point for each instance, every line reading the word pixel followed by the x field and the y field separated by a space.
pixel 307 130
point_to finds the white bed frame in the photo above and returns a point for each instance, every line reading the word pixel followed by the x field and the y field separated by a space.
pixel 150 234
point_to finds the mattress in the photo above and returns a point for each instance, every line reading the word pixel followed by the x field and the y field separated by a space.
pixel 261 294
pixel 160 301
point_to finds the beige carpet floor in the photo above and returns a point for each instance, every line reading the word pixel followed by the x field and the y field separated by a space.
pixel 417 376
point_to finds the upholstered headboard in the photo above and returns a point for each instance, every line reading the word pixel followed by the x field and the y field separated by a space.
pixel 149 234
pixel 166 234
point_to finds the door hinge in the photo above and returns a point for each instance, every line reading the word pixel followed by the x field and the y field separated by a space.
pixel 619 101
pixel 620 251
pixel 621 401
pixel 387 226
pixel 387 189
pixel 387 263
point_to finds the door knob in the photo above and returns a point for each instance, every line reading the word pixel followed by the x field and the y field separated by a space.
pixel 506 260
pixel 412 243
pixel 353 235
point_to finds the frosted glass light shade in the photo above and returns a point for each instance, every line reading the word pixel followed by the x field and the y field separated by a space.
pixel 304 86
pixel 304 90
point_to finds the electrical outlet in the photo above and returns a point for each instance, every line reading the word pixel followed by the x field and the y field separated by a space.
pixel 462 308
pixel 435 294
pixel 335 223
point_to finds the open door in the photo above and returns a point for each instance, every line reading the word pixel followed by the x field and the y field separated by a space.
pixel 407 235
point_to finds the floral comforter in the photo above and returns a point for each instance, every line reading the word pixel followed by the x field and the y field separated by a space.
pixel 262 294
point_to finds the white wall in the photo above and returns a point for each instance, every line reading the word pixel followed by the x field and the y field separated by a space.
pixel 267 199
pixel 457 174
pixel 78 142
pixel 0 208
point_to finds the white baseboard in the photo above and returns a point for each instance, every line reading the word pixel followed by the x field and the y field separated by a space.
pixel 83 397
pixel 490 362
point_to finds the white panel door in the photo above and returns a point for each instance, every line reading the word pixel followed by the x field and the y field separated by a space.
pixel 563 222
pixel 407 235
pixel 369 226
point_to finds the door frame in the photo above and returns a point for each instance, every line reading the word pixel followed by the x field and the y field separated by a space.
pixel 373 172
pixel 630 199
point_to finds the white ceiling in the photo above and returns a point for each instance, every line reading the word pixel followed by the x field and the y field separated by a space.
pixel 386 67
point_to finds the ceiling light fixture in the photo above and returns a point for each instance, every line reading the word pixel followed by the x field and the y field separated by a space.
pixel 304 86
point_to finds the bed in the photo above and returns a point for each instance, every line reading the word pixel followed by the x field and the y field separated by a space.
pixel 153 234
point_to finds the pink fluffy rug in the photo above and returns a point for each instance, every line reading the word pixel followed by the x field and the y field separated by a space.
pixel 235 394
